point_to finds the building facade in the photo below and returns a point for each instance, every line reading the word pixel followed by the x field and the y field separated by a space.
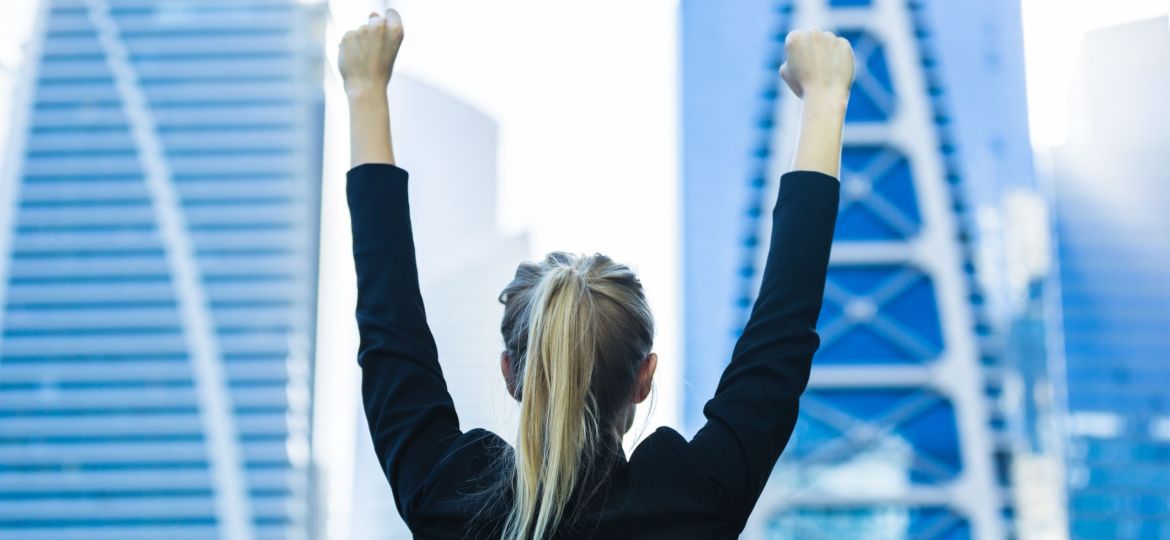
pixel 901 433
pixel 158 258
pixel 1110 192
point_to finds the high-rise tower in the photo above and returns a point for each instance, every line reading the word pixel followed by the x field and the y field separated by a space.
pixel 158 256
pixel 1111 192
pixel 898 436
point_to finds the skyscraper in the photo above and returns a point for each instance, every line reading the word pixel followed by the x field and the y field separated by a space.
pixel 1111 193
pixel 158 256
pixel 899 432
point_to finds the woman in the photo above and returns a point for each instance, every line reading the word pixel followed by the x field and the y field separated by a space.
pixel 578 334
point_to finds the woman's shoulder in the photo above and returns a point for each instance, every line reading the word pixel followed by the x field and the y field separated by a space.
pixel 473 456
pixel 468 468
pixel 475 446
pixel 663 445
pixel 662 480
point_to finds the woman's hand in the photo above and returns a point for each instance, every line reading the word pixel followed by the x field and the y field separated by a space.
pixel 818 64
pixel 367 53
pixel 366 59
pixel 819 70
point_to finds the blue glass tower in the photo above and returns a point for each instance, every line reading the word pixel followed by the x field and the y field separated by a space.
pixel 158 256
pixel 899 435
pixel 1111 194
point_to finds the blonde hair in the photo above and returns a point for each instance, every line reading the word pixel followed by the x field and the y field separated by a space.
pixel 577 329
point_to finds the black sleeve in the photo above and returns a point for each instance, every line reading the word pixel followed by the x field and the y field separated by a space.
pixel 754 409
pixel 410 413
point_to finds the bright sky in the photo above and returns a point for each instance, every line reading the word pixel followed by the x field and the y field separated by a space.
pixel 15 25
pixel 1053 30
pixel 585 98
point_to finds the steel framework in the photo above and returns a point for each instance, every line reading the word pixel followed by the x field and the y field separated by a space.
pixel 894 439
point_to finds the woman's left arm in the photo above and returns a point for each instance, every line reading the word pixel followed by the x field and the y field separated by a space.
pixel 410 413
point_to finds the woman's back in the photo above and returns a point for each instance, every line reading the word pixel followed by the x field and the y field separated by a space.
pixel 656 494
pixel 702 488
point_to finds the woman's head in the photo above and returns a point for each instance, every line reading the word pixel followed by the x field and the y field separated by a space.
pixel 577 336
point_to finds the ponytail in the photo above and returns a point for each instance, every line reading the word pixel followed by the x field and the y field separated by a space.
pixel 576 329
pixel 554 435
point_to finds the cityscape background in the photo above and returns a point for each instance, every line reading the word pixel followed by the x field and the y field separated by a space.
pixel 177 344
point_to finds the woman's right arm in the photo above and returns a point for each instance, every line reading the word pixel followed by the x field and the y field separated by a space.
pixel 752 415
pixel 410 413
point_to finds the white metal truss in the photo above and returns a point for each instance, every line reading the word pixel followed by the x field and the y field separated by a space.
pixel 232 503
pixel 932 251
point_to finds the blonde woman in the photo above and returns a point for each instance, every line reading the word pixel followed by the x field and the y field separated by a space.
pixel 578 355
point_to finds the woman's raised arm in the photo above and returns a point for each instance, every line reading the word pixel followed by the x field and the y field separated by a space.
pixel 410 413
pixel 754 409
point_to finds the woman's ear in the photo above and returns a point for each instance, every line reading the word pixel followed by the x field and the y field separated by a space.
pixel 509 374
pixel 645 378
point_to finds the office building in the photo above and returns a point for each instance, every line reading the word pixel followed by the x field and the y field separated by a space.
pixel 901 433
pixel 158 258
pixel 1110 191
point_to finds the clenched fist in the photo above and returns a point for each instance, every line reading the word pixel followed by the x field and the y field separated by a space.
pixel 818 63
pixel 366 54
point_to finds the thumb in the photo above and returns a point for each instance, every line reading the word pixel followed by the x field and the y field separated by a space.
pixel 392 16
pixel 786 75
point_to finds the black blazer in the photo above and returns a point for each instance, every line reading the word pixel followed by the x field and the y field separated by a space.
pixel 669 487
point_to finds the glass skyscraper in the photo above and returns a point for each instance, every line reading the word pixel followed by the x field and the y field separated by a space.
pixel 158 257
pixel 1111 191
pixel 901 432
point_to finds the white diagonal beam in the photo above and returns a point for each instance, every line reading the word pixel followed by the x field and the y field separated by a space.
pixel 232 505
pixel 914 128
pixel 955 373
